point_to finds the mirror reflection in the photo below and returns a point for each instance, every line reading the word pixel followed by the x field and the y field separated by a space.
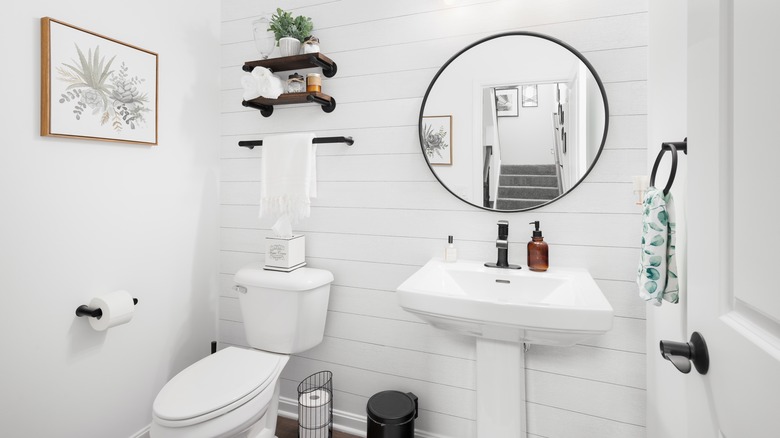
pixel 513 121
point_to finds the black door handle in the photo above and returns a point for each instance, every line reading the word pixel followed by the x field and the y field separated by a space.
pixel 681 354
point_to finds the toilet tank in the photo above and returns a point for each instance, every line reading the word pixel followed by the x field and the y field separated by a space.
pixel 284 312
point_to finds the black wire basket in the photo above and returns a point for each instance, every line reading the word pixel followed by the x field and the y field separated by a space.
pixel 315 406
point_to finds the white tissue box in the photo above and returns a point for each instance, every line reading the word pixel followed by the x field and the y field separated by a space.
pixel 285 254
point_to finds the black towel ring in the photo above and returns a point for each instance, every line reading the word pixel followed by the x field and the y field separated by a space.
pixel 674 147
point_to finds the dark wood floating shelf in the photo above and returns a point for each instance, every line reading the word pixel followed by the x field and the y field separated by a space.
pixel 295 62
pixel 286 63
pixel 266 106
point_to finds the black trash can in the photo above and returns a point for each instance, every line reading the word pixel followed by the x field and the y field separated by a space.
pixel 391 414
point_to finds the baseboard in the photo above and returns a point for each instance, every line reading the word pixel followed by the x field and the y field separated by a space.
pixel 343 421
pixel 143 433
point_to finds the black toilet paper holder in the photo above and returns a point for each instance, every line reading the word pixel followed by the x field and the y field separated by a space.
pixel 85 310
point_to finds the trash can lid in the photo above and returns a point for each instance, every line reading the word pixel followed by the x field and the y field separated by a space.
pixel 392 407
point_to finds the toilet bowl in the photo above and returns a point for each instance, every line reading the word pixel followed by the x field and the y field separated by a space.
pixel 221 395
pixel 235 392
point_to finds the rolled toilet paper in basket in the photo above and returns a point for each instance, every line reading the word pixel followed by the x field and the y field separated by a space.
pixel 313 413
pixel 117 308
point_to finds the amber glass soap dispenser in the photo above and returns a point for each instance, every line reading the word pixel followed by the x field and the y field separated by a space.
pixel 537 251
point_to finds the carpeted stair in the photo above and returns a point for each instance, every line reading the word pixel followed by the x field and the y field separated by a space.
pixel 526 185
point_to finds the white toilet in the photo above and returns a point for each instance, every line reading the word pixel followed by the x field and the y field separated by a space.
pixel 235 392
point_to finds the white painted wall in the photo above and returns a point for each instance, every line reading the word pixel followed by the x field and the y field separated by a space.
pixel 381 214
pixel 82 218
pixel 667 121
pixel 528 138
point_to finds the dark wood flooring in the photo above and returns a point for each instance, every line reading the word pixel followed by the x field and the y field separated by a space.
pixel 287 428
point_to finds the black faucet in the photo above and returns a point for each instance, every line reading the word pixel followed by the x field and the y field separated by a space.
pixel 502 243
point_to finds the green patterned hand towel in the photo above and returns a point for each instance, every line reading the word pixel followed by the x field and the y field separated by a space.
pixel 657 276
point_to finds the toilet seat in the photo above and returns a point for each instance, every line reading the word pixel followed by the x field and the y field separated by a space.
pixel 216 385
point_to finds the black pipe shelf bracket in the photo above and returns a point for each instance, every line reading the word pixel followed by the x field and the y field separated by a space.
pixel 93 312
pixel 674 147
pixel 318 140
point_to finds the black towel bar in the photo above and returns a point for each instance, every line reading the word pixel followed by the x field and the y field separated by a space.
pixel 319 140
pixel 674 147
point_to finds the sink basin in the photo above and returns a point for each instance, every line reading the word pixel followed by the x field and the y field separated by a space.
pixel 561 306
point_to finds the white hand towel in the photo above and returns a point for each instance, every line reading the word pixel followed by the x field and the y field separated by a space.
pixel 261 83
pixel 657 275
pixel 288 180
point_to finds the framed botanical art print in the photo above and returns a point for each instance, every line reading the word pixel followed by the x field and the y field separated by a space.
pixel 506 102
pixel 437 139
pixel 94 87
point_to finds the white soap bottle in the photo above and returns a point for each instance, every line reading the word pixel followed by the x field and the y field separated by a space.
pixel 450 252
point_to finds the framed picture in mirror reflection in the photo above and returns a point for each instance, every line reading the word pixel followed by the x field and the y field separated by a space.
pixel 437 139
pixel 506 102
pixel 530 96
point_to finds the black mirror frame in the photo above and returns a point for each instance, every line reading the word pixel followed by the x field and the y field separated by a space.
pixel 518 33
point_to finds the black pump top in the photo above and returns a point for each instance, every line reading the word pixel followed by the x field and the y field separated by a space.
pixel 537 232
pixel 449 239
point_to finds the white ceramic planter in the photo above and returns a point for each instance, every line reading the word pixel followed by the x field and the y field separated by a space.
pixel 289 46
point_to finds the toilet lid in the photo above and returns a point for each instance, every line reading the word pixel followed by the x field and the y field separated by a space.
pixel 226 379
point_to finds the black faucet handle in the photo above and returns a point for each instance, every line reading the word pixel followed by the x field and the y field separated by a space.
pixel 503 230
pixel 502 243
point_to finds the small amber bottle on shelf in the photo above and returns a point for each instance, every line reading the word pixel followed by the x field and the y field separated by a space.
pixel 538 255
pixel 313 83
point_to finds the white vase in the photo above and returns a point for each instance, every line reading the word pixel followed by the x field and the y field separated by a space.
pixel 289 46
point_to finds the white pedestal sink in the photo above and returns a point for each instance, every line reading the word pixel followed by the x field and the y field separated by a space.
pixel 503 309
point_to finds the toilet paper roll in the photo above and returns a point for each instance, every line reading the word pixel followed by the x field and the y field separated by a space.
pixel 313 411
pixel 117 308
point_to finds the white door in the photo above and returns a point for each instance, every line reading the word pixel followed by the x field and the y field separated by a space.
pixel 734 216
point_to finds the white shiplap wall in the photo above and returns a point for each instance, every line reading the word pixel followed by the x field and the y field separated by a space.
pixel 381 214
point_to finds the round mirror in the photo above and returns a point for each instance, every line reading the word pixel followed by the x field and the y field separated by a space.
pixel 513 121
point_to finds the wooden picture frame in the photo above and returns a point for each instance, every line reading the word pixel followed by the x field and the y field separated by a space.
pixel 96 88
pixel 437 140
pixel 506 102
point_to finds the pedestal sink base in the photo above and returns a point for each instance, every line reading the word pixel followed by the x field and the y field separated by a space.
pixel 504 308
pixel 500 389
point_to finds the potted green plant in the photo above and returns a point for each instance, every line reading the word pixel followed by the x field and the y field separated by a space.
pixel 289 31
